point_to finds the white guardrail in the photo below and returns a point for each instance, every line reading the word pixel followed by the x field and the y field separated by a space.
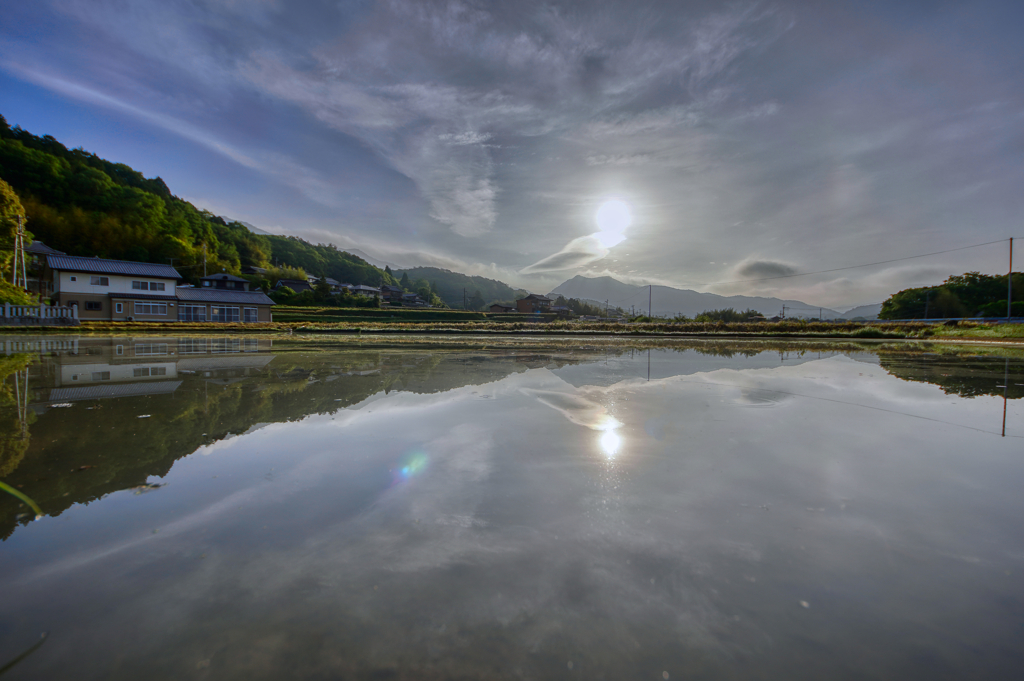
pixel 9 311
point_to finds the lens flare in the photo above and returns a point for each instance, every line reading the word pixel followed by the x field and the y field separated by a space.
pixel 410 466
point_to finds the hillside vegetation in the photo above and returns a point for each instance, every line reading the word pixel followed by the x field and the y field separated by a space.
pixel 82 204
pixel 449 286
pixel 966 295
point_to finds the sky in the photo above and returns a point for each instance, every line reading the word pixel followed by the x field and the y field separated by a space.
pixel 741 140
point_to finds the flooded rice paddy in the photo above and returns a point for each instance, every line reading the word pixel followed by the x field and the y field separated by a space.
pixel 244 508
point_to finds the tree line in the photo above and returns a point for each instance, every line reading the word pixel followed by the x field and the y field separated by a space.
pixel 966 295
pixel 81 204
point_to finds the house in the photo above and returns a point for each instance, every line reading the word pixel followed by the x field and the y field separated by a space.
pixel 335 285
pixel 391 294
pixel 412 300
pixel 533 303
pixel 561 311
pixel 258 271
pixel 224 282
pixel 120 290
pixel 113 290
pixel 204 304
pixel 368 291
pixel 502 309
pixel 297 285
pixel 38 280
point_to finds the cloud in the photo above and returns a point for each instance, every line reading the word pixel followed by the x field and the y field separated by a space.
pixel 753 268
pixel 577 253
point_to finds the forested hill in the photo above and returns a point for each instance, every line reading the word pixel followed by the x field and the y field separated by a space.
pixel 449 287
pixel 82 204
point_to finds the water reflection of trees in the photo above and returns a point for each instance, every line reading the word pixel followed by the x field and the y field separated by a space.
pixel 959 375
pixel 98 446
pixel 15 417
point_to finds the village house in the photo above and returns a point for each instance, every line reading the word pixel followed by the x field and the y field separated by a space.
pixel 297 285
pixel 113 290
pixel 501 308
pixel 533 303
pixel 121 290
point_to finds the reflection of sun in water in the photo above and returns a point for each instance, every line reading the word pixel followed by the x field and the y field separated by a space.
pixel 610 442
pixel 613 218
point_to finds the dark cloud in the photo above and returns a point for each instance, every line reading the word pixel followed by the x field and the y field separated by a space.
pixel 764 269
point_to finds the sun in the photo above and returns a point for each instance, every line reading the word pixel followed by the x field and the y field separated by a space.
pixel 613 218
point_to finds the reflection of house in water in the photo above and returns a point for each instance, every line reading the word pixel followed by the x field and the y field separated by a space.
pixel 98 368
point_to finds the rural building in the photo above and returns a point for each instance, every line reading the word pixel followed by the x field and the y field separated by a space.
pixel 223 281
pixel 533 303
pixel 113 290
pixel 297 285
pixel 223 305
pixel 120 290
pixel 501 308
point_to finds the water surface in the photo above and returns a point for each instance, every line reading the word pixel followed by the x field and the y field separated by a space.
pixel 240 508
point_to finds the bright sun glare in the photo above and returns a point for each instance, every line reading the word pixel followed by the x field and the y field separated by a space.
pixel 613 217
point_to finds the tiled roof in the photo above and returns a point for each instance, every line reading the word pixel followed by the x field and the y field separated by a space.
pixel 224 277
pixel 39 248
pixel 74 263
pixel 213 295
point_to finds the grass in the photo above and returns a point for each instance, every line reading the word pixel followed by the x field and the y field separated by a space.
pixel 339 321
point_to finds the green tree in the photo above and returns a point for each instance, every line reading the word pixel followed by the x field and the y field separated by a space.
pixel 405 282
pixel 476 302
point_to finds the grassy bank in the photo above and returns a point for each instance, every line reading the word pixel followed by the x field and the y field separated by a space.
pixel 328 324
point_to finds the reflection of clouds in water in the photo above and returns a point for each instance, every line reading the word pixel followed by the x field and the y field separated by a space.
pixel 760 397
pixel 576 408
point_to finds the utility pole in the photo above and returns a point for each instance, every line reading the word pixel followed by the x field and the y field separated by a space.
pixel 464 306
pixel 204 258
pixel 783 311
pixel 650 297
pixel 605 307
pixel 819 314
pixel 1010 282
pixel 19 253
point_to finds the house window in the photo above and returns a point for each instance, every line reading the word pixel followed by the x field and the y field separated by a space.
pixel 251 315
pixel 74 278
pixel 142 372
pixel 119 307
pixel 151 308
pixel 156 286
pixel 140 285
pixel 149 349
pixel 99 281
pixel 192 346
pixel 93 305
pixel 72 303
pixel 101 375
pixel 191 313
pixel 223 314
pixel 206 283
pixel 120 350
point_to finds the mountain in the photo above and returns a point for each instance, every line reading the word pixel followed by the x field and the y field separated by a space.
pixel 252 228
pixel 376 262
pixel 668 301
pixel 452 286
pixel 864 312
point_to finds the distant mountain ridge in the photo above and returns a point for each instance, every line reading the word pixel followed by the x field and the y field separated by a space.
pixel 454 287
pixel 668 301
